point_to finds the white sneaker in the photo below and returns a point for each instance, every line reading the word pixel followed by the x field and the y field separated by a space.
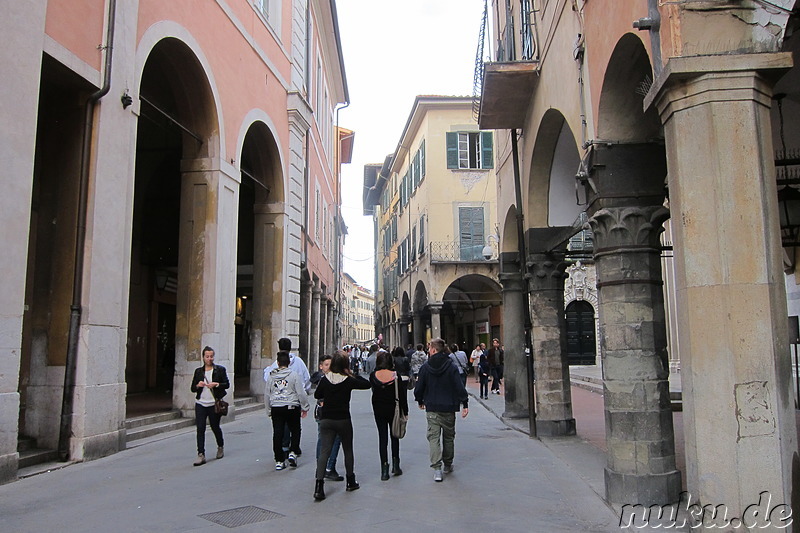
pixel 448 469
pixel 437 475
pixel 292 459
pixel 280 465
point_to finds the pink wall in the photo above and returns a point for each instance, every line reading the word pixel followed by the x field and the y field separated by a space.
pixel 78 26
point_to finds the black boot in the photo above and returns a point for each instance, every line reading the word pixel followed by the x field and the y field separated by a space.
pixel 319 490
pixel 384 471
pixel 396 470
pixel 351 483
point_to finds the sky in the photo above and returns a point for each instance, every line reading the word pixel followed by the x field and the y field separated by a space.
pixel 394 51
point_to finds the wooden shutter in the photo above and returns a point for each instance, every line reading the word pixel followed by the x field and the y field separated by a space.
pixel 487 150
pixel 470 229
pixel 422 159
pixel 452 149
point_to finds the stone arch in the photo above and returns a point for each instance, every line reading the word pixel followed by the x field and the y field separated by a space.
pixel 628 77
pixel 510 236
pixel 555 161
pixel 467 305
pixel 196 76
pixel 261 229
pixel 179 234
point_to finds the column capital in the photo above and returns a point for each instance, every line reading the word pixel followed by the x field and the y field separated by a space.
pixel 715 78
pixel 615 227
pixel 435 307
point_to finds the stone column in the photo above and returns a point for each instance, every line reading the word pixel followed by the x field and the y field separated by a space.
pixel 305 318
pixel 626 216
pixel 22 23
pixel 269 222
pixel 739 417
pixel 515 373
pixel 313 353
pixel 553 392
pixel 418 332
pixel 405 335
pixel 330 343
pixel 436 319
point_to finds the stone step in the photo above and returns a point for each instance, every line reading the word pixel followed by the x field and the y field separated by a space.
pixel 25 443
pixel 149 430
pixel 142 427
pixel 155 418
pixel 36 456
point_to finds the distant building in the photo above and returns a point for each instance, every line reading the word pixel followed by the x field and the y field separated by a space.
pixel 433 203
pixel 357 312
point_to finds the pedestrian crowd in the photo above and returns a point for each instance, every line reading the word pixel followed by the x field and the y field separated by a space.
pixel 437 374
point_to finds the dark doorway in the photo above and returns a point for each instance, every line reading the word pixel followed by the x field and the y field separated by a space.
pixel 581 346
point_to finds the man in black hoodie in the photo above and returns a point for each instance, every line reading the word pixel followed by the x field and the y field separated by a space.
pixel 440 392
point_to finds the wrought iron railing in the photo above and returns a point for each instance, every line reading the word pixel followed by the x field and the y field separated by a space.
pixel 454 252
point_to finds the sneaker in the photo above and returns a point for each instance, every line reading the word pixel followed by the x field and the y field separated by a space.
pixel 220 452
pixel 201 459
pixel 448 469
pixel 292 459
pixel 437 475
pixel 280 465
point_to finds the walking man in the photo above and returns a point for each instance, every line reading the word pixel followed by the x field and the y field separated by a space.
pixel 495 357
pixel 440 392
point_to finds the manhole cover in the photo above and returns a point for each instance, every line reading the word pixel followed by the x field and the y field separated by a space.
pixel 240 516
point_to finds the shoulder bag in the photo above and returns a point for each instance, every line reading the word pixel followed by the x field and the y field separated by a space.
pixel 220 406
pixel 400 420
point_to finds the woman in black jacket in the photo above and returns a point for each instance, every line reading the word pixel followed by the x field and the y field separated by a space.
pixel 386 385
pixel 209 382
pixel 334 418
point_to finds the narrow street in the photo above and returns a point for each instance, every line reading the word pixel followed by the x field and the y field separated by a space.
pixel 503 481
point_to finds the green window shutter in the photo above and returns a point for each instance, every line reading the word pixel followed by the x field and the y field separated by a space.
pixel 487 152
pixel 452 149
pixel 422 159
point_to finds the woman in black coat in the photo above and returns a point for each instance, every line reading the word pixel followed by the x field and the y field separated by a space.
pixel 209 382
pixel 334 419
pixel 386 386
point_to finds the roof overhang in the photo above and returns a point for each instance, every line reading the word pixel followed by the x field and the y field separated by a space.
pixel 507 91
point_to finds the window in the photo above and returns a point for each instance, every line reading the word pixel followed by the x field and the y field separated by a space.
pixel 471 150
pixel 413 244
pixel 317 216
pixel 421 235
pixel 471 234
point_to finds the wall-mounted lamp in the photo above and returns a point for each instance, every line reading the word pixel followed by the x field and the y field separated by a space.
pixel 162 277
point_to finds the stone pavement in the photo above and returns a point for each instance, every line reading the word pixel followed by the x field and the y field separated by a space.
pixel 503 481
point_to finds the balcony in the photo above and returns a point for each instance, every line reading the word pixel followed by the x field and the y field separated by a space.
pixel 456 252
pixel 504 88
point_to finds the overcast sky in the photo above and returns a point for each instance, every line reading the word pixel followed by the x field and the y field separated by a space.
pixel 394 51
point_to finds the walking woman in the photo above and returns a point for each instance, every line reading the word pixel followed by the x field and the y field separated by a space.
pixel 210 383
pixel 386 385
pixel 334 390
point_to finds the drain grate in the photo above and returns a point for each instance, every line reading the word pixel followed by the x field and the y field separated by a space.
pixel 241 516
pixel 238 432
pixel 490 436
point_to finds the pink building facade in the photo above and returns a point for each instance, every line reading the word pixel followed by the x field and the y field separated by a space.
pixel 170 182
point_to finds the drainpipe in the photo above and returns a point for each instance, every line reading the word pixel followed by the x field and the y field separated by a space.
pixel 68 396
pixel 523 270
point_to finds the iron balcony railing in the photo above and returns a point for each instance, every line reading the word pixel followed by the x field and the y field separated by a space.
pixel 456 252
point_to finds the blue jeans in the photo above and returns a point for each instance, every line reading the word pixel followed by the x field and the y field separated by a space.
pixel 337 442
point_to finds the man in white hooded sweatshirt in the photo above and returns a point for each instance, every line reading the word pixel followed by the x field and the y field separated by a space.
pixel 287 402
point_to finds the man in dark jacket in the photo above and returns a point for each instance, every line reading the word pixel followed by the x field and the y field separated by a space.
pixel 440 392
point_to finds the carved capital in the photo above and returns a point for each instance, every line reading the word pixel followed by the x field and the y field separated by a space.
pixel 546 271
pixel 616 227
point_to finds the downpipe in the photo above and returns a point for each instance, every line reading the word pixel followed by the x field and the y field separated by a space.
pixel 70 365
